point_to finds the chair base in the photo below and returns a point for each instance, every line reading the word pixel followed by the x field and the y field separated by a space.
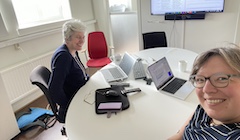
pixel 63 131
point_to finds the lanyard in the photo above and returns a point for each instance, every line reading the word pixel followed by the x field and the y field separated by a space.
pixel 81 66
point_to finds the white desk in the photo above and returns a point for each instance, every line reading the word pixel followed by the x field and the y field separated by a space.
pixel 151 115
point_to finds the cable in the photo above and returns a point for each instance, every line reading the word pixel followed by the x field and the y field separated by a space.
pixel 24 53
pixel 172 33
pixel 26 56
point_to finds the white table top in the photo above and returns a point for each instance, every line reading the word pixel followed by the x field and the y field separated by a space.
pixel 151 115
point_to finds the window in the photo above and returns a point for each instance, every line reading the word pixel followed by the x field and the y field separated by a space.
pixel 32 13
pixel 119 2
pixel 116 4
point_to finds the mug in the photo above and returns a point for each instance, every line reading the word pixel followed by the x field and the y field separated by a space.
pixel 182 65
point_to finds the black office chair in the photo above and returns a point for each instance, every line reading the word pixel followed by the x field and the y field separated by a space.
pixel 40 76
pixel 154 39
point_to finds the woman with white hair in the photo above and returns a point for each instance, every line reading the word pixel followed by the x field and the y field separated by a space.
pixel 68 73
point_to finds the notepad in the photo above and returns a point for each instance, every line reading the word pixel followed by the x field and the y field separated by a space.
pixel 110 106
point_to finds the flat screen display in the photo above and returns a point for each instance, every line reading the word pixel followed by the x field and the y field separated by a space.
pixel 162 7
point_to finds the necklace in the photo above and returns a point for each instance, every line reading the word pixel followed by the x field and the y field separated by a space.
pixel 81 66
pixel 212 123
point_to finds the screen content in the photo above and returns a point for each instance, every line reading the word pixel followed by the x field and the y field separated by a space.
pixel 162 7
pixel 160 72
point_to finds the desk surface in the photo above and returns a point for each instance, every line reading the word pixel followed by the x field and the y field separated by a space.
pixel 151 115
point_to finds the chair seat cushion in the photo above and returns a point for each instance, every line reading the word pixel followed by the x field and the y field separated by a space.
pixel 30 117
pixel 98 62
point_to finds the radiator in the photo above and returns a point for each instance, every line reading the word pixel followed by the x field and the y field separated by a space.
pixel 17 83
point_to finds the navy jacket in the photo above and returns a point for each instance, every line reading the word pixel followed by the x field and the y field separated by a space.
pixel 66 77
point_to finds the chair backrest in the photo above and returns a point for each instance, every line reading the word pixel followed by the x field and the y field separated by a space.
pixel 97 46
pixel 40 76
pixel 154 39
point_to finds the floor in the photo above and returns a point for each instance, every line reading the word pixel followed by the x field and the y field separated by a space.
pixel 38 133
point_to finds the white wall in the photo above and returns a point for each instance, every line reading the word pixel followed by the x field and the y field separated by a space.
pixel 81 9
pixel 9 127
pixel 101 12
pixel 9 56
pixel 195 35
pixel 125 32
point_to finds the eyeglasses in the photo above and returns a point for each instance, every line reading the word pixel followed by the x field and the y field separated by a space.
pixel 217 80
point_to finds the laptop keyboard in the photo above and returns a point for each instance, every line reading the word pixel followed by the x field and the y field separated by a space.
pixel 138 71
pixel 174 85
pixel 115 73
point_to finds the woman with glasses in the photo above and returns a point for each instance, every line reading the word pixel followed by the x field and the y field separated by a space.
pixel 216 76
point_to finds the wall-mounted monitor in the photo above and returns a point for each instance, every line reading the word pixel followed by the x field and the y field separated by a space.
pixel 163 7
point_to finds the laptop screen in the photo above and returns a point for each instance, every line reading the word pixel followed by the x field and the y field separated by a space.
pixel 127 63
pixel 160 72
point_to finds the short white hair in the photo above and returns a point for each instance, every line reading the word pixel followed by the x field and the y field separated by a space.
pixel 71 26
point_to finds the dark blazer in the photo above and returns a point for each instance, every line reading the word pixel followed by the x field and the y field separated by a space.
pixel 66 78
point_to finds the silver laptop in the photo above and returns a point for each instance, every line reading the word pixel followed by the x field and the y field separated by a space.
pixel 119 72
pixel 164 80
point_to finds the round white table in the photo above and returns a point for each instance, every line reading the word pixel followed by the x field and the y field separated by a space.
pixel 151 115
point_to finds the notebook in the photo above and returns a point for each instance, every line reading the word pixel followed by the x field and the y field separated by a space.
pixel 119 72
pixel 164 80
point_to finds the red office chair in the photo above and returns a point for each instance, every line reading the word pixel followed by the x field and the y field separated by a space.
pixel 97 50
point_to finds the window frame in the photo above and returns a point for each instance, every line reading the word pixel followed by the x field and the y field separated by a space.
pixel 41 28
pixel 41 25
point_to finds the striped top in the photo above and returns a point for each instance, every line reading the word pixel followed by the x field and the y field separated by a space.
pixel 199 128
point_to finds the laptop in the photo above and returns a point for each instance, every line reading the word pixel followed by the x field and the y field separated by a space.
pixel 164 80
pixel 119 72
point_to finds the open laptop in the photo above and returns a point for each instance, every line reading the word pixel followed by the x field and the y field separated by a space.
pixel 165 81
pixel 119 72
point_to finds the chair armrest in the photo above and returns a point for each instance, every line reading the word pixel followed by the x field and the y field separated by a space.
pixel 111 50
pixel 111 47
pixel 84 50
